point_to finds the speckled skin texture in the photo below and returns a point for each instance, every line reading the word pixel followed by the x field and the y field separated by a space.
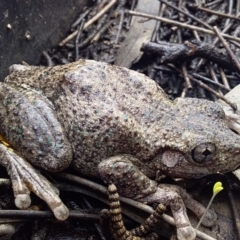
pixel 91 114
pixel 99 111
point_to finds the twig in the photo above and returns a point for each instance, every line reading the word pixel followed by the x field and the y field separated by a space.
pixel 233 206
pixel 119 26
pixel 95 31
pixel 213 76
pixel 223 77
pixel 212 3
pixel 230 9
pixel 184 92
pixel 218 13
pixel 155 36
pixel 97 16
pixel 226 28
pixel 30 214
pixel 48 59
pixel 82 16
pixel 87 24
pixel 80 28
pixel 101 31
pixel 188 84
pixel 186 14
pixel 211 81
pixel 203 85
pixel 172 52
pixel 179 24
pixel 238 8
pixel 232 55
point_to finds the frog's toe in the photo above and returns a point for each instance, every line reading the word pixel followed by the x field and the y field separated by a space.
pixel 56 190
pixel 22 201
pixel 21 191
pixel 7 229
pixel 186 233
pixel 61 212
pixel 210 218
pixel 25 179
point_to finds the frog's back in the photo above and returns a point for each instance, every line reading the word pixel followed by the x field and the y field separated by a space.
pixel 105 110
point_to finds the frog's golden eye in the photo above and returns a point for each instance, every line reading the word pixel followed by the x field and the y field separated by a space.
pixel 203 152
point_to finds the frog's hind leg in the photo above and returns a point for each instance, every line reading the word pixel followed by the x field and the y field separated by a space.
pixel 25 179
pixel 132 183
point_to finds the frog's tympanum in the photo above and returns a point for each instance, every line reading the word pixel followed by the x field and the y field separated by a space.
pixel 112 123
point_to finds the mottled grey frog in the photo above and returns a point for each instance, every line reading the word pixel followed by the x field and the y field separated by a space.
pixel 113 123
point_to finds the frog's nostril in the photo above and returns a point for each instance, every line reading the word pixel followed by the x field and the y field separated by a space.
pixel 203 152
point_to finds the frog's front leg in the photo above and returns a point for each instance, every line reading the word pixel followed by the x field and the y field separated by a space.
pixel 132 183
pixel 30 126
pixel 25 179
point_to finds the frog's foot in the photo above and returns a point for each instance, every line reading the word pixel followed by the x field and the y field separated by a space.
pixel 7 229
pixel 132 183
pixel 25 179
pixel 119 230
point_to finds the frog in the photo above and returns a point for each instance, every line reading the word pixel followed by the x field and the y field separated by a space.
pixel 112 123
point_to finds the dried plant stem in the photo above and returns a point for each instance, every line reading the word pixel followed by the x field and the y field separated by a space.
pixel 225 44
pixel 187 14
pixel 183 25
pixel 203 85
pixel 48 59
pixel 224 78
pixel 87 24
pixel 218 13
pixel 233 206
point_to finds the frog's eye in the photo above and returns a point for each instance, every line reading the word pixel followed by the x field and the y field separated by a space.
pixel 203 152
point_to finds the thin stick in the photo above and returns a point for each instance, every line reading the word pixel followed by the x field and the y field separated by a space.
pixel 218 13
pixel 48 59
pixel 188 84
pixel 186 14
pixel 225 44
pixel 211 81
pixel 201 61
pixel 87 24
pixel 97 16
pixel 119 26
pixel 214 77
pixel 224 78
pixel 80 28
pixel 212 3
pixel 205 86
pixel 101 31
pixel 183 25
pixel 82 16
pixel 184 92
pixel 233 206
